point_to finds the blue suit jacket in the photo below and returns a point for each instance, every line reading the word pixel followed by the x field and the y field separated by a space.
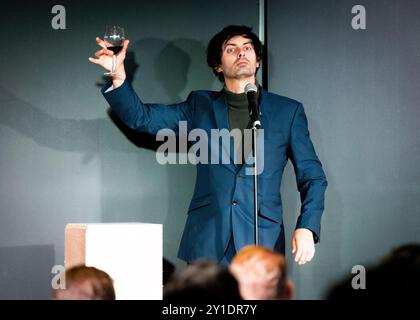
pixel 222 203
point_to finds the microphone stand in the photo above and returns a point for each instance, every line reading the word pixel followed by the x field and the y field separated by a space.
pixel 251 91
pixel 255 126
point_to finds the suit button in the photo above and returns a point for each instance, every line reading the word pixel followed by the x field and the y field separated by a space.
pixel 235 202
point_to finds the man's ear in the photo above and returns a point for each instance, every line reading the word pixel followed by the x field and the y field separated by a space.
pixel 218 69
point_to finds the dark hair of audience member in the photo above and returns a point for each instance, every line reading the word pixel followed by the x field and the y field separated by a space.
pixel 397 276
pixel 202 281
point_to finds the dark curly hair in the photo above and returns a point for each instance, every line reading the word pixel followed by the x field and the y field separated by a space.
pixel 215 47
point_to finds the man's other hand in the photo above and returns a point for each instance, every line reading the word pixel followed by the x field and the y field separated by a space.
pixel 303 245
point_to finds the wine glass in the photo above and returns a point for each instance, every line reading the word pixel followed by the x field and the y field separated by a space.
pixel 114 38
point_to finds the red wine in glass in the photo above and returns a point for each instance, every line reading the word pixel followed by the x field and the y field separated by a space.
pixel 114 38
pixel 115 49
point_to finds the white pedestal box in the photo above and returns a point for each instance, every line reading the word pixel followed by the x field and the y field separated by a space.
pixel 131 253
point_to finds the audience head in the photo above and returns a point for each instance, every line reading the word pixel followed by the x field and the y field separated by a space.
pixel 202 281
pixel 86 283
pixel 396 276
pixel 261 274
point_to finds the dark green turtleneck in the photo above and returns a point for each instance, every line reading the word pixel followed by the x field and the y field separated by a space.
pixel 238 117
pixel 237 110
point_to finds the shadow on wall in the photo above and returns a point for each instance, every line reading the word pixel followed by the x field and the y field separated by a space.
pixel 25 272
pixel 169 70
pixel 163 66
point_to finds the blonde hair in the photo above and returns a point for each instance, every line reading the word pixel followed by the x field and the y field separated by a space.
pixel 261 273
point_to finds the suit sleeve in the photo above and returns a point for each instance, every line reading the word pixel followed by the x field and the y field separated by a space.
pixel 147 117
pixel 310 177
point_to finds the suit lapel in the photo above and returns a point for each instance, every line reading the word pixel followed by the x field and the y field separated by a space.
pixel 263 107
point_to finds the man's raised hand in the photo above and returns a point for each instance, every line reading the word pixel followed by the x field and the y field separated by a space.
pixel 105 58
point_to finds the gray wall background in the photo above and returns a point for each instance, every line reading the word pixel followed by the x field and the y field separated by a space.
pixel 63 159
pixel 361 94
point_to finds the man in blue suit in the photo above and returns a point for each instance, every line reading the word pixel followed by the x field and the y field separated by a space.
pixel 220 217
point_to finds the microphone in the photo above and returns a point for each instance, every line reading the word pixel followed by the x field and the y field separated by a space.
pixel 251 91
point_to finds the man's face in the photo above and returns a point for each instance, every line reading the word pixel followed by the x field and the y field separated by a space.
pixel 238 58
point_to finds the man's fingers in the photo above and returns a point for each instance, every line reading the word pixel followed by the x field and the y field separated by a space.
pixel 308 254
pixel 303 245
pixel 104 51
pixel 302 259
pixel 299 252
pixel 305 257
pixel 311 254
pixel 95 61
pixel 100 42
pixel 99 53
pixel 304 254
pixel 125 45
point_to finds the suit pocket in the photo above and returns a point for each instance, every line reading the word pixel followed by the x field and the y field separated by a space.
pixel 271 209
pixel 200 202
